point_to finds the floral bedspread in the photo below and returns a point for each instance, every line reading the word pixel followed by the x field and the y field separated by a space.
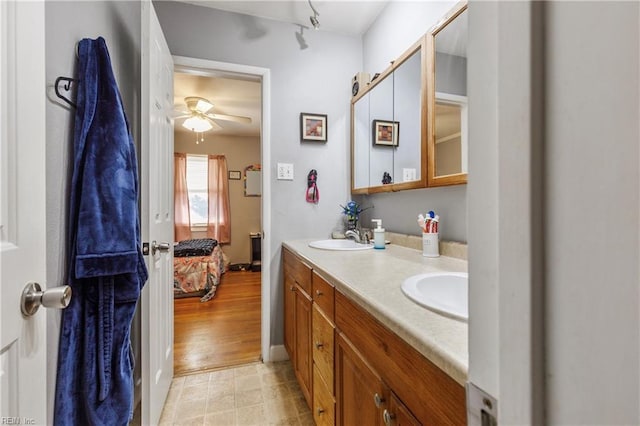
pixel 198 273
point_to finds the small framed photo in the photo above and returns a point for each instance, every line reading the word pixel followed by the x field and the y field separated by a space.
pixel 313 127
pixel 235 175
pixel 386 132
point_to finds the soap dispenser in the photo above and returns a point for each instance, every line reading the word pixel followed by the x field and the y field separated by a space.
pixel 378 234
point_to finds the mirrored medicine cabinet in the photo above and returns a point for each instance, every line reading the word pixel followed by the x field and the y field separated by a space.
pixel 409 126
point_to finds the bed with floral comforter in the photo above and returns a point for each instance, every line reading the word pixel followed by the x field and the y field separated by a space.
pixel 198 275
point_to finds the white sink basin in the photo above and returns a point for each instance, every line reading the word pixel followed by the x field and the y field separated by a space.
pixel 339 245
pixel 443 292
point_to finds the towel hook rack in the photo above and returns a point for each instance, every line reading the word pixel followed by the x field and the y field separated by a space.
pixel 67 87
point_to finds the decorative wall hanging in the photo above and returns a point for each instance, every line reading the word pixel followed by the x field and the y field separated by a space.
pixel 253 181
pixel 386 132
pixel 313 127
pixel 235 175
pixel 313 194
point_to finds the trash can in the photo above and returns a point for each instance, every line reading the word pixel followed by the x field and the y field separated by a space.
pixel 256 251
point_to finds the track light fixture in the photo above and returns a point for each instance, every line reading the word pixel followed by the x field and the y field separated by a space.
pixel 314 18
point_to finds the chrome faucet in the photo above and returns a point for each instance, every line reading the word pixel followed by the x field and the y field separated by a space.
pixel 353 235
pixel 358 236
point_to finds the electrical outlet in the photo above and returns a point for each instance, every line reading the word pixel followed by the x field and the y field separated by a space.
pixel 285 171
pixel 408 175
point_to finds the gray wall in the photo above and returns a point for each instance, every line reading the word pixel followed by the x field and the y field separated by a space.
pixel 316 80
pixel 240 151
pixel 451 74
pixel 399 26
pixel 66 24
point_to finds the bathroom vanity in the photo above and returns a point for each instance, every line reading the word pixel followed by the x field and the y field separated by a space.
pixel 362 352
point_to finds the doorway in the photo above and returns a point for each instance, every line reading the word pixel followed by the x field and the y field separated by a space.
pixel 230 328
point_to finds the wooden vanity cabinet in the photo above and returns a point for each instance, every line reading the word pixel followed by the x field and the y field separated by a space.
pixel 421 389
pixel 297 319
pixel 351 368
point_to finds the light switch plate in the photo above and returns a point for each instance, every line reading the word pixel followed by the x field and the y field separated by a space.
pixel 285 171
pixel 408 175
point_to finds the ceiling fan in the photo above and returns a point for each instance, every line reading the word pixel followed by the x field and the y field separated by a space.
pixel 199 119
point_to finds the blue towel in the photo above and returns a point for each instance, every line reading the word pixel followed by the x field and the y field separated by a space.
pixel 106 269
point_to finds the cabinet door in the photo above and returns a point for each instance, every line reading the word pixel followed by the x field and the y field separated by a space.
pixel 289 315
pixel 360 394
pixel 398 414
pixel 303 362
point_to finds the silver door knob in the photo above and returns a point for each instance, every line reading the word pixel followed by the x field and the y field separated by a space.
pixel 162 247
pixel 33 297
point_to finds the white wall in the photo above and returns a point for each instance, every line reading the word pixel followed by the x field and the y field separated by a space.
pixel 397 28
pixel 66 24
pixel 316 80
pixel 240 151
pixel 538 290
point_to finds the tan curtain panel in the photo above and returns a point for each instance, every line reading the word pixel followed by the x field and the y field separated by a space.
pixel 219 226
pixel 182 217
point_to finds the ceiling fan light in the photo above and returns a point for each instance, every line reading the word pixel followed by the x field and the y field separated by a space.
pixel 203 106
pixel 196 124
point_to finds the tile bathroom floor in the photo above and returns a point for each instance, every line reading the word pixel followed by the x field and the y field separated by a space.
pixel 253 394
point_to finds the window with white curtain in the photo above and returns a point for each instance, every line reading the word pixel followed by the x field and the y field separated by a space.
pixel 197 188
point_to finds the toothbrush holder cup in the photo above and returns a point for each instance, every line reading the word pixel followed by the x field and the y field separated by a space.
pixel 430 245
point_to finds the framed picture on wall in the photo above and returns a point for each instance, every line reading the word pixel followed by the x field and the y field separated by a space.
pixel 313 127
pixel 235 175
pixel 386 132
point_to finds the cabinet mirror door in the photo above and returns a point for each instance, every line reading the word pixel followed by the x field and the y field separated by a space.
pixel 448 136
pixel 384 134
pixel 408 118
pixel 387 124
pixel 361 135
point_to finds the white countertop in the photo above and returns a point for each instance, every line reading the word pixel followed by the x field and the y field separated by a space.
pixel 372 279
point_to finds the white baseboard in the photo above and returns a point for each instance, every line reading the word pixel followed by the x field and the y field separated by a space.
pixel 278 353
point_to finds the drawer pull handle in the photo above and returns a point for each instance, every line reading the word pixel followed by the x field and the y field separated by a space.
pixel 292 288
pixel 320 411
pixel 378 400
pixel 319 345
pixel 388 417
pixel 318 293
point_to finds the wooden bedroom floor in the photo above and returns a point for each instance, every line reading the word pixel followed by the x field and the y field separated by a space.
pixel 222 332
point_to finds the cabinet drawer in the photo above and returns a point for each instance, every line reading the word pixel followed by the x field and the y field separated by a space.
pixel 324 406
pixel 300 271
pixel 323 344
pixel 323 295
pixel 428 392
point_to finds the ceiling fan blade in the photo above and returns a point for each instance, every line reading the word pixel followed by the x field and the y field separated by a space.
pixel 177 117
pixel 180 111
pixel 236 118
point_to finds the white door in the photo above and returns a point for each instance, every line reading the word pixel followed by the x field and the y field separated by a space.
pixel 22 211
pixel 157 215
